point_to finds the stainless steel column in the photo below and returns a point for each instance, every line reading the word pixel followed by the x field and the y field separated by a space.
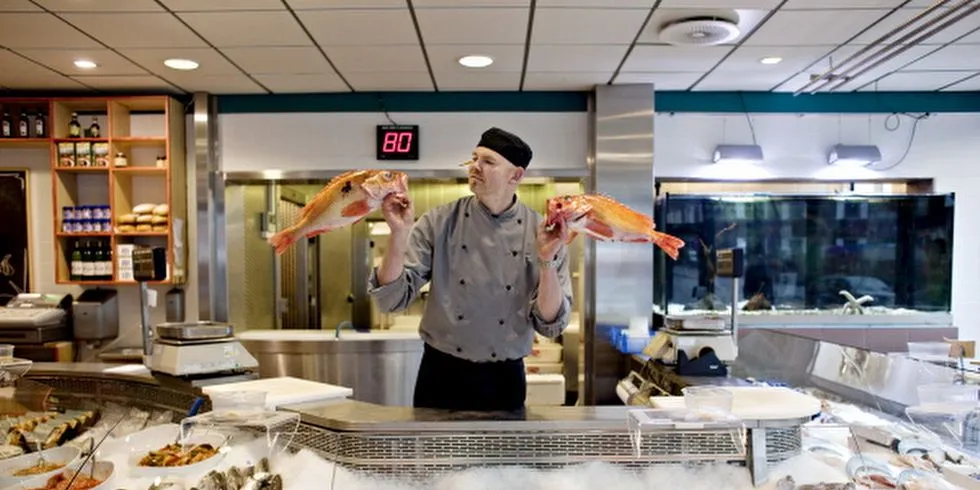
pixel 212 265
pixel 623 274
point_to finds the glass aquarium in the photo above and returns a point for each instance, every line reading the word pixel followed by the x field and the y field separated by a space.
pixel 808 254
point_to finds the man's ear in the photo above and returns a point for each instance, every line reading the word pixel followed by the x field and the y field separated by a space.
pixel 517 176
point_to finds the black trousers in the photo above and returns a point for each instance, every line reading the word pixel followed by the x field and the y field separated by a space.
pixel 448 382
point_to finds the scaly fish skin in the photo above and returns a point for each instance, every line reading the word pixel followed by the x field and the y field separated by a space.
pixel 345 200
pixel 606 219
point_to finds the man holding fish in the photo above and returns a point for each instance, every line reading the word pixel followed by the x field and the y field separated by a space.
pixel 497 275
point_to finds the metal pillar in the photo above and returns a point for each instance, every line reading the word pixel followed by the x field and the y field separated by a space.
pixel 212 264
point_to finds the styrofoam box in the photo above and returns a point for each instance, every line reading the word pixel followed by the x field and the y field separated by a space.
pixel 543 367
pixel 545 353
pixel 545 389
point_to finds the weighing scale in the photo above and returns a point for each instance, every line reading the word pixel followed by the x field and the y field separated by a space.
pixel 200 352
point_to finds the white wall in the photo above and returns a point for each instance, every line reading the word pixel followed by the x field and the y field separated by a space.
pixel 946 148
pixel 316 141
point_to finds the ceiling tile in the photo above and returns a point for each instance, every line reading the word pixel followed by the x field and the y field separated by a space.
pixel 660 81
pixel 125 82
pixel 18 6
pixel 743 80
pixel 445 58
pixel 960 28
pixel 746 19
pixel 360 27
pixel 970 84
pixel 674 58
pixel 972 38
pixel 840 4
pixel 18 73
pixel 349 59
pixel 333 4
pixel 565 80
pixel 950 58
pixel 455 25
pixel 217 84
pixel 279 60
pixel 472 3
pixel 141 30
pixel 369 81
pixel 586 26
pixel 500 80
pixel 307 82
pixel 21 31
pixel 795 58
pixel 211 62
pixel 63 60
pixel 812 27
pixel 874 72
pixel 720 4
pixel 215 5
pixel 226 29
pixel 575 58
pixel 100 5
pixel 919 81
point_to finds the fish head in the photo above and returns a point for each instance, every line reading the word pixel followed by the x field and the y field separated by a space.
pixel 381 183
pixel 566 208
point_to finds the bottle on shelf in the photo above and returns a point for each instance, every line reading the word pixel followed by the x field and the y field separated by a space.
pixel 40 126
pixel 107 262
pixel 88 262
pixel 77 269
pixel 6 126
pixel 23 126
pixel 74 127
pixel 94 131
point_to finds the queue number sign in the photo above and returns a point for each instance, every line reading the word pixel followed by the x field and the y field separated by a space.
pixel 398 142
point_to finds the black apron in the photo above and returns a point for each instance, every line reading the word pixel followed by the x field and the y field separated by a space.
pixel 448 382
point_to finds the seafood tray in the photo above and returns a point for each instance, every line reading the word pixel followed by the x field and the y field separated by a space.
pixel 35 431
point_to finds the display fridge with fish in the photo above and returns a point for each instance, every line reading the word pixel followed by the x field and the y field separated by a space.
pixel 856 258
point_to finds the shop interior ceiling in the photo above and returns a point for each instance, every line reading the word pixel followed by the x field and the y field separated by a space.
pixel 289 46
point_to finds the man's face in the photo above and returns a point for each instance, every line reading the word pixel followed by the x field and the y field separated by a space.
pixel 492 174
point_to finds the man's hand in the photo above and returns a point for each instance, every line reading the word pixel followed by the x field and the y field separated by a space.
pixel 550 239
pixel 399 213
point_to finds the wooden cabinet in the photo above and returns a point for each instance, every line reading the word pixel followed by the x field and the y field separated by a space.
pixel 94 198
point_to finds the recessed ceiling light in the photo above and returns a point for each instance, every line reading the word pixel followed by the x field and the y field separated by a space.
pixel 771 60
pixel 476 61
pixel 181 64
pixel 86 64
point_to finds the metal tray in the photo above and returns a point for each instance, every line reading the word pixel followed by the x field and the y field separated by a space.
pixel 193 330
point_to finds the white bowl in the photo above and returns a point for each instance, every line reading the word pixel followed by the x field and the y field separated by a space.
pixel 66 456
pixel 143 446
pixel 104 470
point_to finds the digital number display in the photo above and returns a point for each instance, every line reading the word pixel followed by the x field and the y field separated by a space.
pixel 398 142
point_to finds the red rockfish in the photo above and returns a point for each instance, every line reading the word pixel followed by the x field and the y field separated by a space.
pixel 606 219
pixel 345 200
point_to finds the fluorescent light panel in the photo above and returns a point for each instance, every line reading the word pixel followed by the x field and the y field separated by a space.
pixel 738 153
pixel 854 155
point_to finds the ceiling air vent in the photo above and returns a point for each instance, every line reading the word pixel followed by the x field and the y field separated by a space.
pixel 699 31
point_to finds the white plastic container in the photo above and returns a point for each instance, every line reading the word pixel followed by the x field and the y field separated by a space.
pixel 543 353
pixel 66 456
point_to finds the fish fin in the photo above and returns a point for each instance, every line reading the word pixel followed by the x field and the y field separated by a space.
pixel 283 240
pixel 322 200
pixel 670 244
pixel 356 208
pixel 599 230
pixel 570 236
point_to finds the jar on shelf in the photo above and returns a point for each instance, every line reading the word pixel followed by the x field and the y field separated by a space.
pixel 161 161
pixel 120 160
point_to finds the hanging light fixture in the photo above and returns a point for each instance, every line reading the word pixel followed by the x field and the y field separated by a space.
pixel 854 155
pixel 738 153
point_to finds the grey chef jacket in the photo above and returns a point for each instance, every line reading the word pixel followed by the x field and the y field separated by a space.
pixel 484 273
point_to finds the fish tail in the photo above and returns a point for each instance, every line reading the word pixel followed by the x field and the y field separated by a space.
pixel 284 239
pixel 670 244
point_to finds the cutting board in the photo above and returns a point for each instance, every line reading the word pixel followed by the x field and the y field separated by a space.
pixel 285 390
pixel 758 403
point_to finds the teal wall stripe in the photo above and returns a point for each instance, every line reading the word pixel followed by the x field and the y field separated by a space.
pixel 665 101
pixel 407 102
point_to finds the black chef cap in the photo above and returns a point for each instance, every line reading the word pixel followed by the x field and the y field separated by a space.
pixel 507 145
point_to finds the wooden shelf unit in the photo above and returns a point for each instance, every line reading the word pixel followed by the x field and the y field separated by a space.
pixel 141 127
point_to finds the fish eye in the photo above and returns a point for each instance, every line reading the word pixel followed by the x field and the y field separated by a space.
pixel 387 175
pixel 558 205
